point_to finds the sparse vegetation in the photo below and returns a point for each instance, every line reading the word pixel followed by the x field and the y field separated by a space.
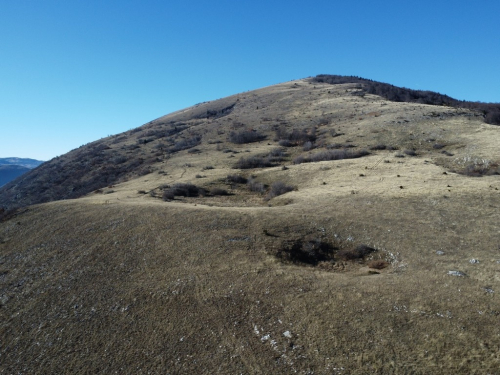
pixel 330 155
pixel 185 144
pixel 491 111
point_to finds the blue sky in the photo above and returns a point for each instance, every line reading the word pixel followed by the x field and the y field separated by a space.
pixel 74 71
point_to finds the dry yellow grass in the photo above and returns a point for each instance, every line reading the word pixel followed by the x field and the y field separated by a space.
pixel 121 282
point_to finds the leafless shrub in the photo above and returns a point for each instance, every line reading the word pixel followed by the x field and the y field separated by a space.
pixel 276 155
pixel 255 186
pixel 245 136
pixel 308 146
pixel 296 137
pixel 183 190
pixel 253 162
pixel 438 146
pixel 378 147
pixel 236 179
pixel 330 155
pixel 278 188
pixel 480 169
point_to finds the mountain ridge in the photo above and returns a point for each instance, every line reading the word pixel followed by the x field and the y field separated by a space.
pixel 74 174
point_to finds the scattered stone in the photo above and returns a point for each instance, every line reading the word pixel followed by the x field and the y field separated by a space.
pixel 287 334
pixel 488 289
pixel 456 273
pixel 439 252
pixel 474 261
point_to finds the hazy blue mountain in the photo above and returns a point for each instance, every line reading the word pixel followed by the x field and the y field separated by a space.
pixel 23 162
pixel 10 172
pixel 11 168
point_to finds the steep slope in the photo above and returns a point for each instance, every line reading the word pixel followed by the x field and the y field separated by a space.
pixel 300 228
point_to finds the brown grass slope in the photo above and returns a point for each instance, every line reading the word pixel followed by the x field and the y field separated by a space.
pixel 382 263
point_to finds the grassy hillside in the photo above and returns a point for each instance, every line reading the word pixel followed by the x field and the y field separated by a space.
pixel 300 228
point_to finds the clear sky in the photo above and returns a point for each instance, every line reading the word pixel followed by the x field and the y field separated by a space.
pixel 73 71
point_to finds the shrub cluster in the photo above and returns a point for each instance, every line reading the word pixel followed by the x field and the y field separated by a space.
pixel 182 190
pixel 480 170
pixel 330 155
pixel 278 188
pixel 255 186
pixel 245 136
pixel 296 137
pixel 218 191
pixel 261 161
pixel 254 162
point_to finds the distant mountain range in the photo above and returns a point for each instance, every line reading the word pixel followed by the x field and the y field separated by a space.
pixel 11 168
